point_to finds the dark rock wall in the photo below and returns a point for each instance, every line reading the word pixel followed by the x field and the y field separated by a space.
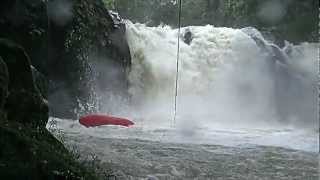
pixel 66 46
pixel 24 103
pixel 84 38
pixel 28 150
pixel 40 57
pixel 25 22
pixel 4 83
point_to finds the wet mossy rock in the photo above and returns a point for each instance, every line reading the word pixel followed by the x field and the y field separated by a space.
pixel 40 81
pixel 24 103
pixel 25 22
pixel 4 81
pixel 80 34
pixel 28 150
pixel 29 153
pixel 83 39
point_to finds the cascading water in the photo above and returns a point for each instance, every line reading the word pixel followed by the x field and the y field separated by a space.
pixel 226 76
pixel 241 102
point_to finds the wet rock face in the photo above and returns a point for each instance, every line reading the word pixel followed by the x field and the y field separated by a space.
pixel 25 22
pixel 4 80
pixel 40 81
pixel 28 150
pixel 85 39
pixel 82 36
pixel 87 44
pixel 187 37
pixel 24 103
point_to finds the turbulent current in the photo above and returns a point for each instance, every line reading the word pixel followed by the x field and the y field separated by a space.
pixel 246 108
pixel 227 76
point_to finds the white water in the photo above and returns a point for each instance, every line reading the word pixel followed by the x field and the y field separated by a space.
pixel 232 137
pixel 138 153
pixel 225 94
pixel 226 97
pixel 223 78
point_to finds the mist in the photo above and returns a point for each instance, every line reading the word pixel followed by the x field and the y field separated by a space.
pixel 60 11
pixel 272 11
pixel 226 79
pixel 229 78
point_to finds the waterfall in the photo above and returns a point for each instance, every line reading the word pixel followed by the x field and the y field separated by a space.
pixel 226 75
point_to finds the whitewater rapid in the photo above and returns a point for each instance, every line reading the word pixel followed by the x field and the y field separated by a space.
pixel 226 92
pixel 224 78
pixel 227 125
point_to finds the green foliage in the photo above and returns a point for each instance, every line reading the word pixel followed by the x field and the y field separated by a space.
pixel 151 12
pixel 229 13
pixel 110 4
pixel 292 26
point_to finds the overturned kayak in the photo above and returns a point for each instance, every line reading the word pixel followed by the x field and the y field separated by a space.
pixel 93 120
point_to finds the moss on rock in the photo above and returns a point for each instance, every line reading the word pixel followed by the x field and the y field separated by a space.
pixel 29 153
pixel 28 150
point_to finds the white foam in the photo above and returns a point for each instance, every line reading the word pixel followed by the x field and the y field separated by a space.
pixel 225 95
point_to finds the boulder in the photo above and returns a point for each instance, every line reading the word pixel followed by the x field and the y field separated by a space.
pixel 187 37
pixel 34 153
pixel 28 150
pixel 24 103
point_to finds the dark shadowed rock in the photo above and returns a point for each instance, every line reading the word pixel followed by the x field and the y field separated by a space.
pixel 187 37
pixel 28 150
pixel 80 50
pixel 81 34
pixel 25 22
pixel 33 153
pixel 4 81
pixel 24 102
pixel 40 81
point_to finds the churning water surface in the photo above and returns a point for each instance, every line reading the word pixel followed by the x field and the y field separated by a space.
pixel 228 124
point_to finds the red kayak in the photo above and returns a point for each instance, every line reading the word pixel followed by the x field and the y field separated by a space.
pixel 93 120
